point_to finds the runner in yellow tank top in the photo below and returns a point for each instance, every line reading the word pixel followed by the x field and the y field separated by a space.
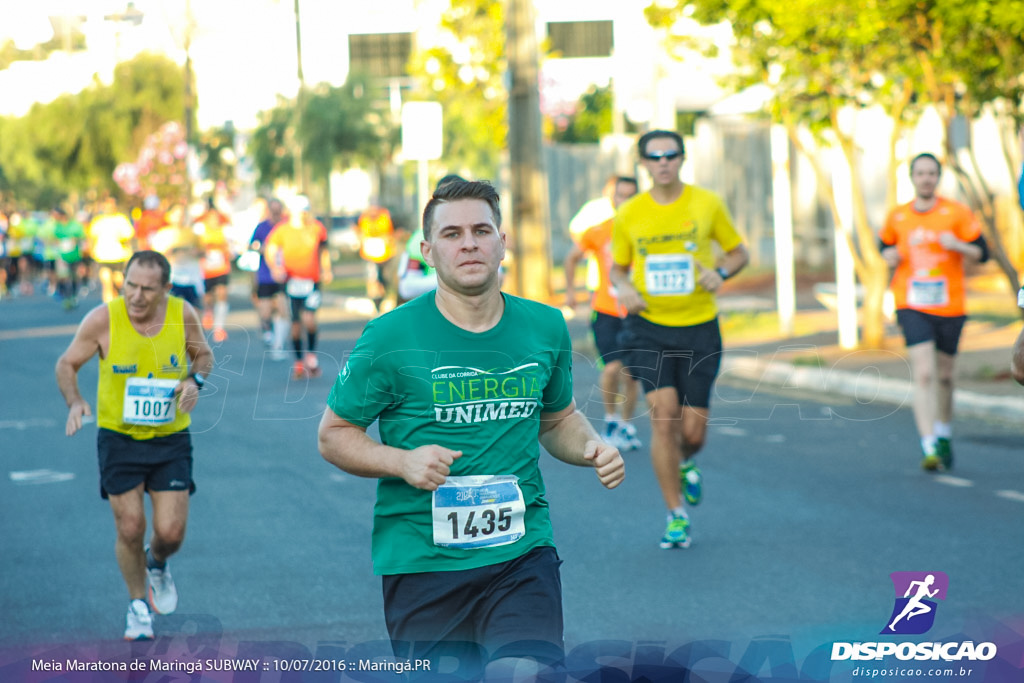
pixel 153 362
pixel 139 373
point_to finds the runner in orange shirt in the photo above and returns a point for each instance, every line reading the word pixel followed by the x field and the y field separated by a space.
pixel 297 255
pixel 149 221
pixel 216 263
pixel 927 242
pixel 617 388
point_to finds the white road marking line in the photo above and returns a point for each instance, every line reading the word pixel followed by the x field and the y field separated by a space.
pixel 953 481
pixel 40 477
pixel 1011 495
pixel 731 431
pixel 22 425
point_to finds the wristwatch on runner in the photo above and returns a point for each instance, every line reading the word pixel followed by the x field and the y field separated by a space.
pixel 198 379
pixel 722 273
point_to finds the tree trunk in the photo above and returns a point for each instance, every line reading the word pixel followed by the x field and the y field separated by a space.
pixel 872 313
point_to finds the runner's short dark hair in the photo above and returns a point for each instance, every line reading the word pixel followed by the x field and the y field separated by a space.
pixel 456 190
pixel 151 258
pixel 925 155
pixel 641 144
pixel 451 177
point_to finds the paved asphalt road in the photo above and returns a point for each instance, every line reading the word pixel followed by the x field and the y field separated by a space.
pixel 812 501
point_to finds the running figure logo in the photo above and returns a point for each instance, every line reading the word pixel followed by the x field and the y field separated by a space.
pixel 914 612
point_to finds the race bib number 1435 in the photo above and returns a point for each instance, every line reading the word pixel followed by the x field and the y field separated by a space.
pixel 478 511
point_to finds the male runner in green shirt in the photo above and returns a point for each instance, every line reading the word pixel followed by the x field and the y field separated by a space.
pixel 463 383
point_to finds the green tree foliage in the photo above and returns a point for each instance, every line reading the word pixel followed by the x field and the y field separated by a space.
pixel 271 146
pixel 970 60
pixel 341 125
pixel 591 120
pixel 465 73
pixel 337 126
pixel 10 53
pixel 73 144
pixel 824 58
pixel 149 91
pixel 216 149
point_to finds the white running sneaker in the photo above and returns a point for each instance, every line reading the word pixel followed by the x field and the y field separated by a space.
pixel 139 622
pixel 628 435
pixel 312 364
pixel 613 435
pixel 163 596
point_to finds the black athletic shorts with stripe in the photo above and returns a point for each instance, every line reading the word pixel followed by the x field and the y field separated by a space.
pixel 461 620
pixel 687 358
pixel 163 463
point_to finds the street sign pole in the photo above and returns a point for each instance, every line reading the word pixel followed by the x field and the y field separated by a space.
pixel 422 142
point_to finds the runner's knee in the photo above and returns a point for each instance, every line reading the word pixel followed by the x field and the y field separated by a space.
pixel 131 528
pixel 169 535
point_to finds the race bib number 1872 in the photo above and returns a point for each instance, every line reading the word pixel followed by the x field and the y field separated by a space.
pixel 669 274
pixel 478 511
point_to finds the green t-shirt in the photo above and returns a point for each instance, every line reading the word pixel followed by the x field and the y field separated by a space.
pixel 428 381
pixel 65 238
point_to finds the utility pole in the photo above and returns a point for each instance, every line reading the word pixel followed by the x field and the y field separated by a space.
pixel 189 108
pixel 300 107
pixel 531 245
pixel 782 203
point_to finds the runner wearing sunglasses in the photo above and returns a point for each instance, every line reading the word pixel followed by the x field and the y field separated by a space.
pixel 666 275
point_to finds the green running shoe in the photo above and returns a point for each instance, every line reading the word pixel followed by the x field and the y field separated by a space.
pixel 944 448
pixel 692 482
pixel 931 461
pixel 677 533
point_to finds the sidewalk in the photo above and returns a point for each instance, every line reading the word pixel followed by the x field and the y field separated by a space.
pixel 813 360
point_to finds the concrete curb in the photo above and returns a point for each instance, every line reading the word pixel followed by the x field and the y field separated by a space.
pixel 865 386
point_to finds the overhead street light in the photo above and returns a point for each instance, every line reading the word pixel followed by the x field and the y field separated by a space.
pixel 131 15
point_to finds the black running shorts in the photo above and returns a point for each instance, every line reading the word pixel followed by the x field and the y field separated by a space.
pixel 311 303
pixel 687 358
pixel 163 463
pixel 921 327
pixel 606 329
pixel 268 290
pixel 188 293
pixel 473 616
pixel 211 282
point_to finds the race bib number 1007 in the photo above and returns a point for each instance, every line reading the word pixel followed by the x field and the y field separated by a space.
pixel 478 511
pixel 149 401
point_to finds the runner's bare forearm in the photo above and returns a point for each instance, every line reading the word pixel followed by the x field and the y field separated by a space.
pixel 566 437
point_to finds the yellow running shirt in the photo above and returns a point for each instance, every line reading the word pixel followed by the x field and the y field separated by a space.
pixel 135 395
pixel 662 243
